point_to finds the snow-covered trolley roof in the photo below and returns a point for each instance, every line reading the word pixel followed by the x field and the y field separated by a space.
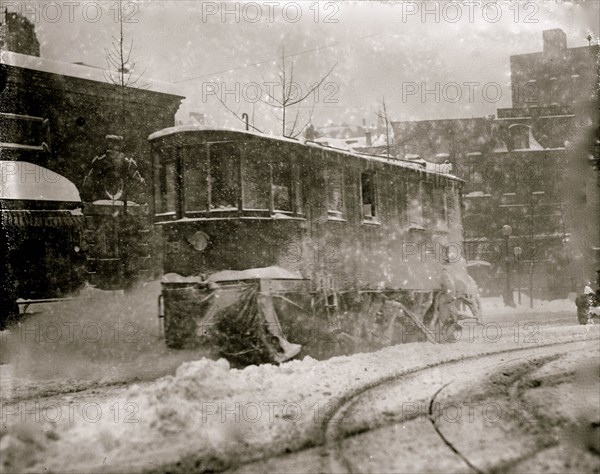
pixel 20 180
pixel 417 166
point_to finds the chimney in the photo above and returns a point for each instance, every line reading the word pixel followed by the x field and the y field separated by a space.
pixel 555 41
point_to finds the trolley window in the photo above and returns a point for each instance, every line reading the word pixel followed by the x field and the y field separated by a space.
pixel 439 206
pixel 453 205
pixel 368 193
pixel 434 206
pixel 428 205
pixel 282 186
pixel 298 190
pixel 224 176
pixel 195 160
pixel 256 180
pixel 157 180
pixel 335 200
pixel 415 205
pixel 166 171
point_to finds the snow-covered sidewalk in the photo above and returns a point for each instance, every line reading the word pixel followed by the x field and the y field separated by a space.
pixel 210 411
pixel 493 307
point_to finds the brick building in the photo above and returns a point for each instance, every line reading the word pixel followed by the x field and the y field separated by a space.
pixel 555 76
pixel 81 108
pixel 530 167
pixel 60 116
pixel 17 34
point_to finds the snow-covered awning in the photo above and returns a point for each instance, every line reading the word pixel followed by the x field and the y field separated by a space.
pixel 20 180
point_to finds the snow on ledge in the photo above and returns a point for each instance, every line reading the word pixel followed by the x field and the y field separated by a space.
pixel 272 273
pixel 266 273
pixel 77 70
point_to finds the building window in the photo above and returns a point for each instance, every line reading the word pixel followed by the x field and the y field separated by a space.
pixel 519 137
pixel 224 173
pixel 369 196
pixel 335 194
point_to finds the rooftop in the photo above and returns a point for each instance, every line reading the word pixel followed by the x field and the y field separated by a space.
pixel 77 70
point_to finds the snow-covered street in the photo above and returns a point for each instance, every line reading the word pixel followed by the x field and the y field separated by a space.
pixel 319 237
pixel 160 410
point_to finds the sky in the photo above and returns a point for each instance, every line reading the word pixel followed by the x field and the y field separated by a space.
pixel 428 60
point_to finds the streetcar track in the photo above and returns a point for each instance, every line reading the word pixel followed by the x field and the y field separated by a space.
pixel 326 434
pixel 331 438
pixel 443 437
pixel 506 466
pixel 338 460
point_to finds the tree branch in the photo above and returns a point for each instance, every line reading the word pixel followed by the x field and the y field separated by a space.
pixel 235 114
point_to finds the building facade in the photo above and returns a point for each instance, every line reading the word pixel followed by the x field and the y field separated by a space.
pixel 530 167
pixel 17 34
pixel 80 109
pixel 557 75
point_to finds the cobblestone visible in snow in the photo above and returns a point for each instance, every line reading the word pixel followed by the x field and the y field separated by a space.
pixel 209 410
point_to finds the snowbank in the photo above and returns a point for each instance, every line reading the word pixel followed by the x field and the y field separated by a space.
pixel 209 411
pixel 494 306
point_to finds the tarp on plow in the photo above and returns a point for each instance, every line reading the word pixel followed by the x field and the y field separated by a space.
pixel 236 321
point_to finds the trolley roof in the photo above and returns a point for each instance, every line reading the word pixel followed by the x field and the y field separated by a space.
pixel 166 132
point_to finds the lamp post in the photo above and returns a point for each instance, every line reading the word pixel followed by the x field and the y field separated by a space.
pixel 534 201
pixel 508 298
pixel 518 251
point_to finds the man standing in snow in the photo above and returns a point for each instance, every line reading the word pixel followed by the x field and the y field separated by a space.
pixel 115 176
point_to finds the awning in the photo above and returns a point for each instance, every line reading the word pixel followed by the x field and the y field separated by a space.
pixel 23 181
pixel 59 219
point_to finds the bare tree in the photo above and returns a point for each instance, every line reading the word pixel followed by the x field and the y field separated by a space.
pixel 383 116
pixel 237 115
pixel 119 71
pixel 120 67
pixel 285 106
pixel 292 97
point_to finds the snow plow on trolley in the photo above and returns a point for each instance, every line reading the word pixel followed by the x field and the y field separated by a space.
pixel 275 249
